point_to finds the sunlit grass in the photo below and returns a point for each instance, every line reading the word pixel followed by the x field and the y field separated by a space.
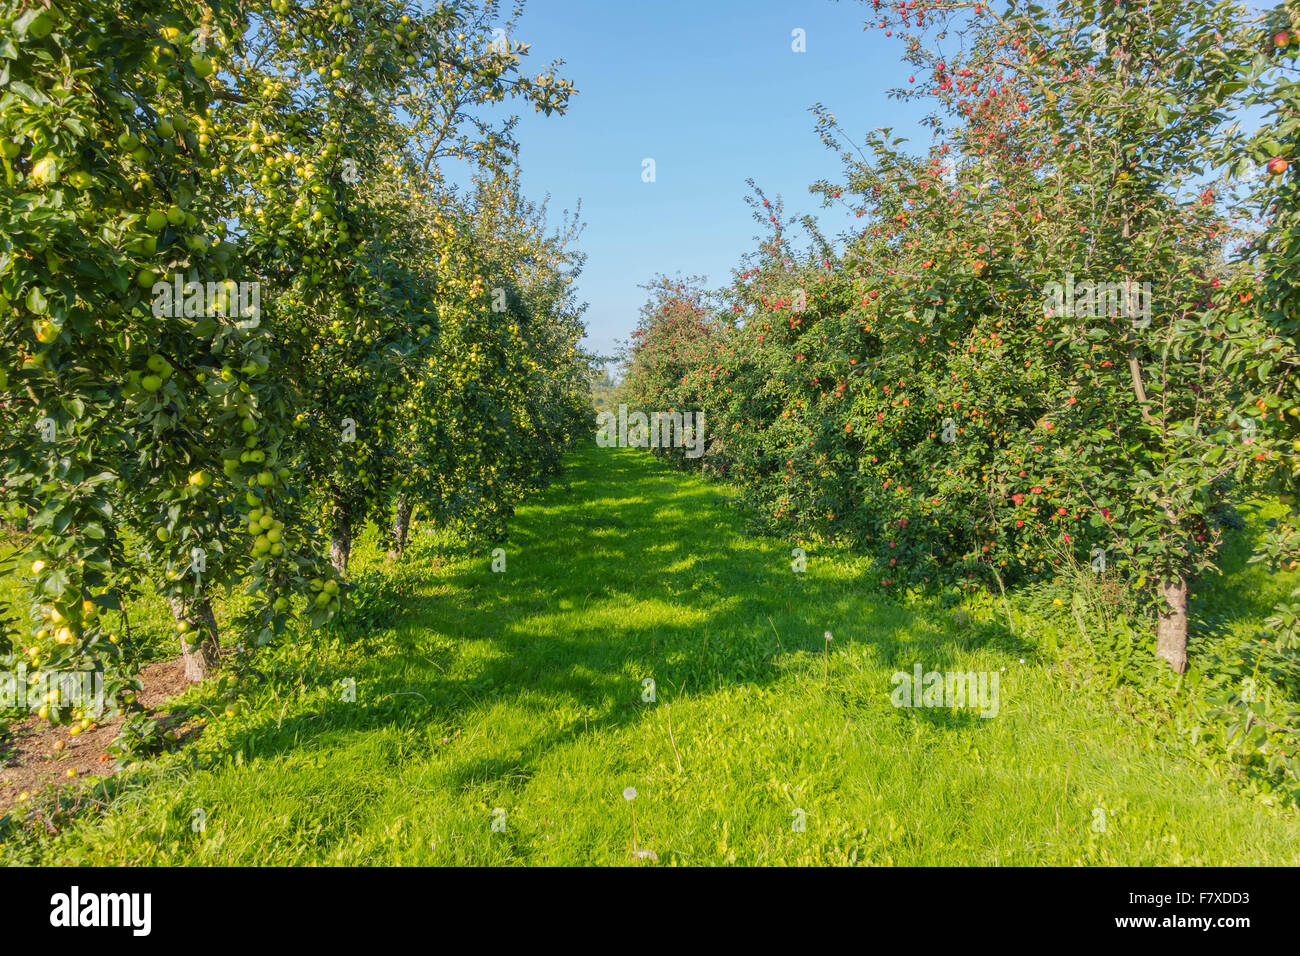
pixel 520 699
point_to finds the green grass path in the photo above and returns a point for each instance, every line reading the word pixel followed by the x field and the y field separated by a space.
pixel 517 698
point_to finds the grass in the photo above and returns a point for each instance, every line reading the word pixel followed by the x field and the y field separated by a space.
pixel 518 699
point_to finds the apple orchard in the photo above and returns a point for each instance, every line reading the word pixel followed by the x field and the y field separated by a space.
pixel 916 390
pixel 381 343
pixel 965 386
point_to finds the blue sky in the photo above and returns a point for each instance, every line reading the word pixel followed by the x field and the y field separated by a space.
pixel 712 91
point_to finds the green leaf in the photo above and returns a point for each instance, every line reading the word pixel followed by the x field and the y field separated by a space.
pixel 36 302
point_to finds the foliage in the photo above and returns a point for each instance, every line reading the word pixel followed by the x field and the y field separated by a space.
pixel 283 158
pixel 964 386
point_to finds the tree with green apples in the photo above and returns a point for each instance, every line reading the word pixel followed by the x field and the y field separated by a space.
pixel 215 306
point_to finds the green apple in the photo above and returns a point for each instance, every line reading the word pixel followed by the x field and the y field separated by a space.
pixel 144 245
pixel 156 220
pixel 45 171
pixel 46 331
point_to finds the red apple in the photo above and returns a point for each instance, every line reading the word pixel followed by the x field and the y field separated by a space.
pixel 1277 166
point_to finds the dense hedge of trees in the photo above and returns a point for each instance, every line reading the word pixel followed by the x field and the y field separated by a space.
pixel 1065 334
pixel 353 339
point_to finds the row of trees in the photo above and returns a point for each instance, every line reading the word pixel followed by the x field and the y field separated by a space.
pixel 1067 332
pixel 243 311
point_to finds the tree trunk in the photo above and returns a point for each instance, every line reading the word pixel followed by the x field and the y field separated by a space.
pixel 341 540
pixel 201 657
pixel 401 526
pixel 1171 630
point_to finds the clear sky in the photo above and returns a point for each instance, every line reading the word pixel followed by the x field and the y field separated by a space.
pixel 713 92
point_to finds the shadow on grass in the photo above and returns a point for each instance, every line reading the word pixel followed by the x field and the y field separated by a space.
pixel 633 573
pixel 1225 608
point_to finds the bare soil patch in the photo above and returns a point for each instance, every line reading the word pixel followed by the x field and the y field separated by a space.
pixel 32 763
